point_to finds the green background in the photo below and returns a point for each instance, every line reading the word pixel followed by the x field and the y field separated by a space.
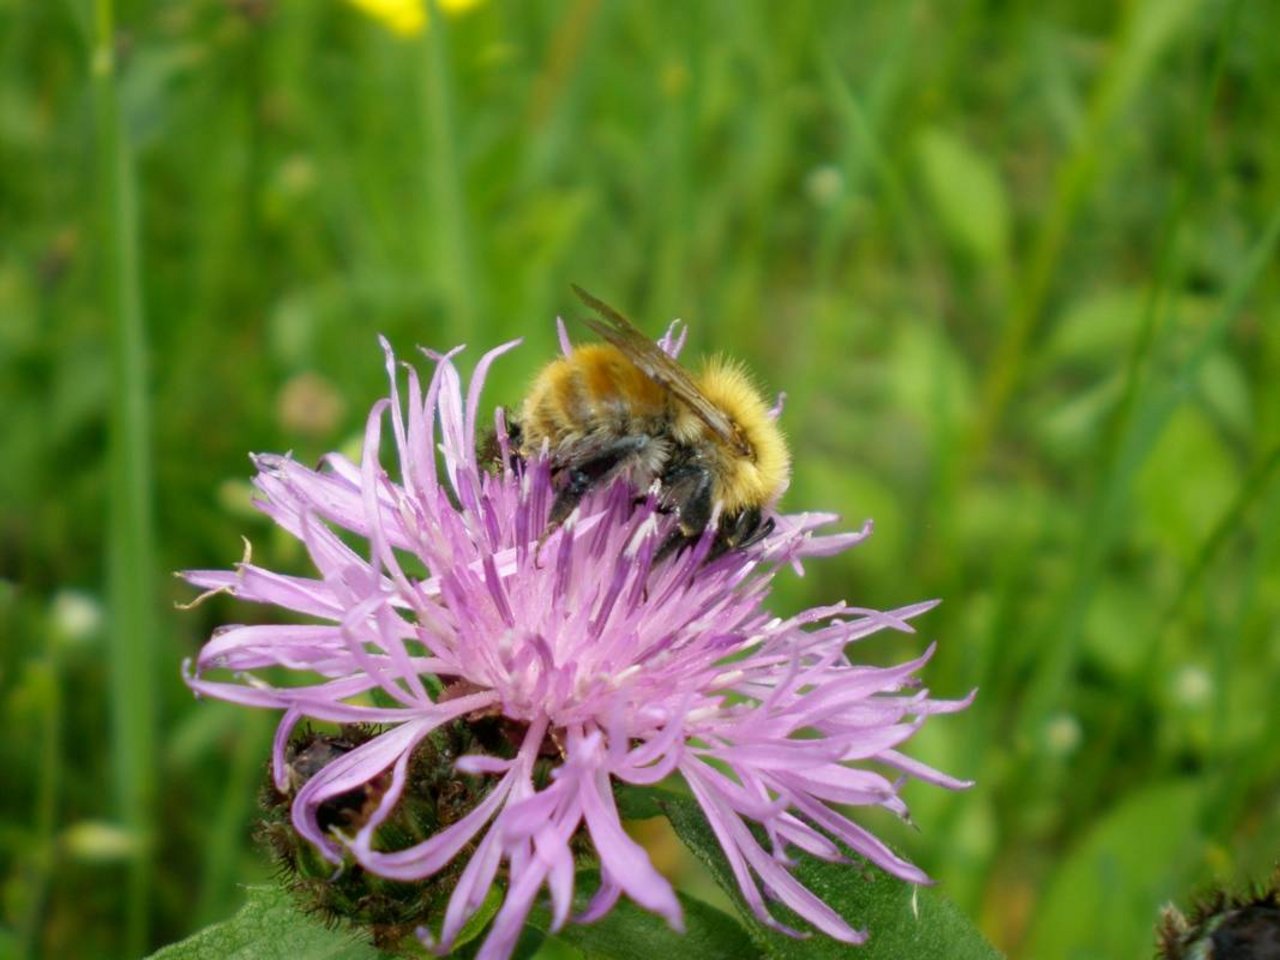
pixel 1012 263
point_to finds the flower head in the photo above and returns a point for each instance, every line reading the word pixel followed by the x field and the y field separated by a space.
pixel 408 18
pixel 1233 926
pixel 604 665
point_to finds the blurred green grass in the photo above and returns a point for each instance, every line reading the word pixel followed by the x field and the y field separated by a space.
pixel 1012 262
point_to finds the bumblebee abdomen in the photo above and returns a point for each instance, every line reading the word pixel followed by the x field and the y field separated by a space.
pixel 594 390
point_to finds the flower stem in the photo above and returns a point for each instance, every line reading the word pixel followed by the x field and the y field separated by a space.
pixel 130 541
pixel 448 242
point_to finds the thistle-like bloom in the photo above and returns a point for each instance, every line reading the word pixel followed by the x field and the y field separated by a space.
pixel 606 666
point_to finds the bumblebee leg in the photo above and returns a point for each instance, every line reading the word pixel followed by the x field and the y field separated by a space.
pixel 686 489
pixel 489 449
pixel 577 483
pixel 515 441
pixel 740 531
pixel 759 533
pixel 583 476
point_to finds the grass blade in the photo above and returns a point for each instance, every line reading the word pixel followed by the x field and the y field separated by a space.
pixel 131 555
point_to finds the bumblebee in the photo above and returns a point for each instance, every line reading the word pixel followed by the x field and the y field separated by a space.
pixel 625 408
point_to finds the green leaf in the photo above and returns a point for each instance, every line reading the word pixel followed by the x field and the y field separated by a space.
pixel 902 920
pixel 628 932
pixel 1186 483
pixel 1094 329
pixel 928 376
pixel 478 921
pixel 638 803
pixel 1226 392
pixel 270 927
pixel 966 194
pixel 1103 899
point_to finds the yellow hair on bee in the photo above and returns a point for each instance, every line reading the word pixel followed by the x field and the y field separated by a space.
pixel 758 478
pixel 595 387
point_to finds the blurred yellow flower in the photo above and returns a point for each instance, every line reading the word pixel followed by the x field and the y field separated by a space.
pixel 409 17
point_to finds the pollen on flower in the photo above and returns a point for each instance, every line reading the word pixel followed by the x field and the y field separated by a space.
pixel 516 671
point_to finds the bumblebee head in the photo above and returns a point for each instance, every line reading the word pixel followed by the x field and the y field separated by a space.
pixel 756 468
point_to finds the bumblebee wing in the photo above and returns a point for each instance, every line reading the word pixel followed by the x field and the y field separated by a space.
pixel 655 364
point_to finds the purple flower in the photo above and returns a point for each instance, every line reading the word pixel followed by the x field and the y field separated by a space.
pixel 613 668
